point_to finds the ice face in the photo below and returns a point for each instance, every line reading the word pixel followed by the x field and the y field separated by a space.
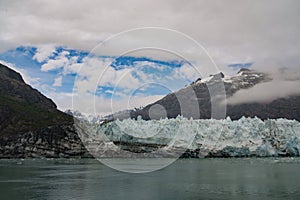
pixel 246 136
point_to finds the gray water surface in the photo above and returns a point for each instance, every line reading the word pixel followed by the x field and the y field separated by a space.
pixel 249 178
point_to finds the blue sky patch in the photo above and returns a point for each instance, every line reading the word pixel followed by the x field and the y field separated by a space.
pixel 129 61
pixel 22 57
pixel 241 65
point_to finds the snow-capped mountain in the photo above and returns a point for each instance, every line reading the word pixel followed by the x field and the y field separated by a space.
pixel 245 79
pixel 279 108
pixel 84 117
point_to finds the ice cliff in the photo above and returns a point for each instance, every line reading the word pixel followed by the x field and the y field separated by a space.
pixel 201 138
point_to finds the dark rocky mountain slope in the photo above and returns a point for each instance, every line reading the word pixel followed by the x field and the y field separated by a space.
pixel 23 108
pixel 30 124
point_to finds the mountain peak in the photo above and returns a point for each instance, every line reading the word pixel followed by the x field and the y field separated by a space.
pixel 244 70
pixel 9 73
pixel 13 86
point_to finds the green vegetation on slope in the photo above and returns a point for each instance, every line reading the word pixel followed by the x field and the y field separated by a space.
pixel 19 116
pixel 24 109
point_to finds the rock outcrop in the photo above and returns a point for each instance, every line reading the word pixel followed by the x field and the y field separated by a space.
pixel 60 141
pixel 31 125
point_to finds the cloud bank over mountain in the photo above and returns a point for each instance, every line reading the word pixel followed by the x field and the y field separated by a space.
pixel 283 83
pixel 262 35
pixel 232 31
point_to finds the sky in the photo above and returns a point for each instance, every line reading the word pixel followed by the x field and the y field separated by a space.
pixel 103 56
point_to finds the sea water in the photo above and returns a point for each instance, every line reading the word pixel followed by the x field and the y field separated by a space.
pixel 239 178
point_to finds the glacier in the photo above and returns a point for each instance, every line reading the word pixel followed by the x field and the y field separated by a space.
pixel 193 138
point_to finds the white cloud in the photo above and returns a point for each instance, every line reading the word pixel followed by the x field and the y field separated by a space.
pixel 44 52
pixel 61 61
pixel 285 82
pixel 93 72
pixel 187 71
pixel 57 82
pixel 83 100
pixel 72 68
pixel 153 65
pixel 63 100
pixel 90 104
pixel 231 31
pixel 266 92
pixel 58 62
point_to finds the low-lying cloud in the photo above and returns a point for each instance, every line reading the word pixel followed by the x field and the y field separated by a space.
pixel 285 83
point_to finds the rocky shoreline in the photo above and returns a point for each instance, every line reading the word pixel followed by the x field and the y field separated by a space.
pixel 50 142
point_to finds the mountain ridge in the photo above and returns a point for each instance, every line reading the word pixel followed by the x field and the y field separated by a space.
pixel 23 108
pixel 30 123
pixel 245 78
